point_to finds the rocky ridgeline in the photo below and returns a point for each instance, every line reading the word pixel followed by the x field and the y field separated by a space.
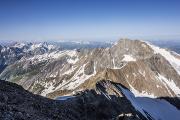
pixel 143 68
pixel 108 101
pixel 19 104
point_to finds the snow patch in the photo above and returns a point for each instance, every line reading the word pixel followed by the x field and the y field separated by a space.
pixel 114 65
pixel 128 58
pixel 53 55
pixel 64 97
pixel 69 71
pixel 71 53
pixel 175 62
pixel 72 61
pixel 35 46
pixel 3 50
pixel 170 84
pixel 79 78
pixel 19 45
pixel 48 89
pixel 53 75
pixel 141 94
pixel 154 108
pixel 51 47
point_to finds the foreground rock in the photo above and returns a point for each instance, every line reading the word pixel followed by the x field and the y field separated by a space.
pixel 108 101
pixel 19 104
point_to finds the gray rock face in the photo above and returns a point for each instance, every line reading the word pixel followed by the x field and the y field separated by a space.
pixel 89 68
pixel 16 103
pixel 106 102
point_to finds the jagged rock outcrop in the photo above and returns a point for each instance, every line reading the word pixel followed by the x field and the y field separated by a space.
pixel 108 101
pixel 19 104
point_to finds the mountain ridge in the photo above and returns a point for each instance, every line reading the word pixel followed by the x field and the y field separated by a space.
pixel 143 68
pixel 109 100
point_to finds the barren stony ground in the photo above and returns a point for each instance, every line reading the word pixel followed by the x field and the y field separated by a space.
pixel 19 104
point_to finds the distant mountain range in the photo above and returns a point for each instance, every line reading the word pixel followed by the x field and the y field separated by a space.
pixel 138 71
pixel 170 44
pixel 65 44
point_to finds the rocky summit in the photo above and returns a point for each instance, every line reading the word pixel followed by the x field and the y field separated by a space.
pixel 122 81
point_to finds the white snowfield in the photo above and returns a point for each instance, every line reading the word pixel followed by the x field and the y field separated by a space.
pixel 49 87
pixel 175 62
pixel 34 46
pixel 128 58
pixel 140 94
pixel 78 78
pixel 54 55
pixel 19 45
pixel 64 97
pixel 157 109
pixel 169 84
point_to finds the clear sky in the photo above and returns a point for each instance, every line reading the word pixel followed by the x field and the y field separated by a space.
pixel 88 19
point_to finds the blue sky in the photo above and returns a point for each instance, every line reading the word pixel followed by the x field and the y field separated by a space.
pixel 89 19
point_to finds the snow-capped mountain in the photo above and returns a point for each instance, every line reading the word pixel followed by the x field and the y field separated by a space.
pixel 11 54
pixel 145 69
pixel 137 70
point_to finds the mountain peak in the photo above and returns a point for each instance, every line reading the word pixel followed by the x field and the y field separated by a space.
pixel 134 48
pixel 19 45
